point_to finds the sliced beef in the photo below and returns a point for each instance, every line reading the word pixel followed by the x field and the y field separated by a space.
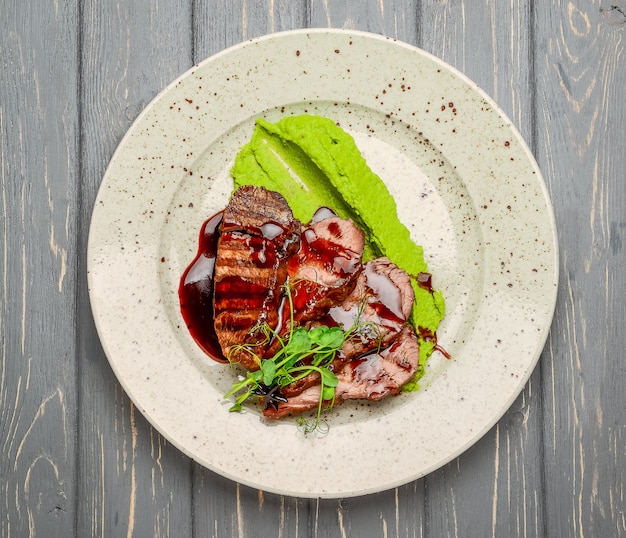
pixel 258 235
pixel 378 375
pixel 379 305
pixel 372 377
pixel 264 213
pixel 261 246
pixel 325 269
pixel 323 272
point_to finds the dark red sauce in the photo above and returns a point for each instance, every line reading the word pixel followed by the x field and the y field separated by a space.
pixel 338 317
pixel 327 252
pixel 318 250
pixel 443 351
pixel 389 306
pixel 426 334
pixel 367 368
pixel 425 280
pixel 195 291
pixel 429 336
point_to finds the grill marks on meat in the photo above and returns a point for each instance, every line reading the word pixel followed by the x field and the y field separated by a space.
pixel 258 235
pixel 372 377
pixel 261 246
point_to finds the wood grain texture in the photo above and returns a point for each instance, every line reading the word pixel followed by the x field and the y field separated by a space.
pixel 219 24
pixel 495 488
pixel 131 481
pixel 581 74
pixel 38 121
pixel 77 458
pixel 395 18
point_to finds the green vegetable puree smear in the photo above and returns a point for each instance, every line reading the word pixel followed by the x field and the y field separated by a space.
pixel 312 162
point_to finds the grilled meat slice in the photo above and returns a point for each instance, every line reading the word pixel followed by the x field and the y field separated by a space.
pixel 380 304
pixel 323 272
pixel 264 213
pixel 258 235
pixel 377 308
pixel 378 375
pixel 372 377
pixel 325 269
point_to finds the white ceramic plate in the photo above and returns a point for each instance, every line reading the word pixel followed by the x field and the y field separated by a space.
pixel 466 186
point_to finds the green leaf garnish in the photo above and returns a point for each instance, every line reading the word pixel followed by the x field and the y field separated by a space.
pixel 303 352
pixel 268 369
pixel 329 379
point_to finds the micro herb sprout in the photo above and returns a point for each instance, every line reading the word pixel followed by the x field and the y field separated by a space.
pixel 318 345
pixel 303 352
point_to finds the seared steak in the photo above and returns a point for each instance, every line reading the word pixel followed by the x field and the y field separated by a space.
pixel 373 377
pixel 261 247
pixel 325 269
pixel 379 305
pixel 258 235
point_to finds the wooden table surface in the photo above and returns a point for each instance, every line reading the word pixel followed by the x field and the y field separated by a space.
pixel 77 458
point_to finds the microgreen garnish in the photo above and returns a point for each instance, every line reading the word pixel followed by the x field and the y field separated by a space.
pixel 303 352
pixel 318 346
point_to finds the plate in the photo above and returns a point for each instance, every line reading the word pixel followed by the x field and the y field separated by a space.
pixel 466 186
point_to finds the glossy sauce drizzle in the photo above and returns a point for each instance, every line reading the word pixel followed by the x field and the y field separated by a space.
pixel 195 291
pixel 389 305
pixel 425 280
pixel 429 336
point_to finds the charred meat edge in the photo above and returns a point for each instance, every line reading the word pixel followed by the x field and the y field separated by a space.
pixel 258 235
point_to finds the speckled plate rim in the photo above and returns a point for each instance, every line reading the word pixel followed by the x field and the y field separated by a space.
pixel 461 399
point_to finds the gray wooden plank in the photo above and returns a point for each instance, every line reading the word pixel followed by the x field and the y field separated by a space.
pixel 38 122
pixel 219 24
pixel 132 482
pixel 394 18
pixel 581 75
pixel 495 488
pixel 222 507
